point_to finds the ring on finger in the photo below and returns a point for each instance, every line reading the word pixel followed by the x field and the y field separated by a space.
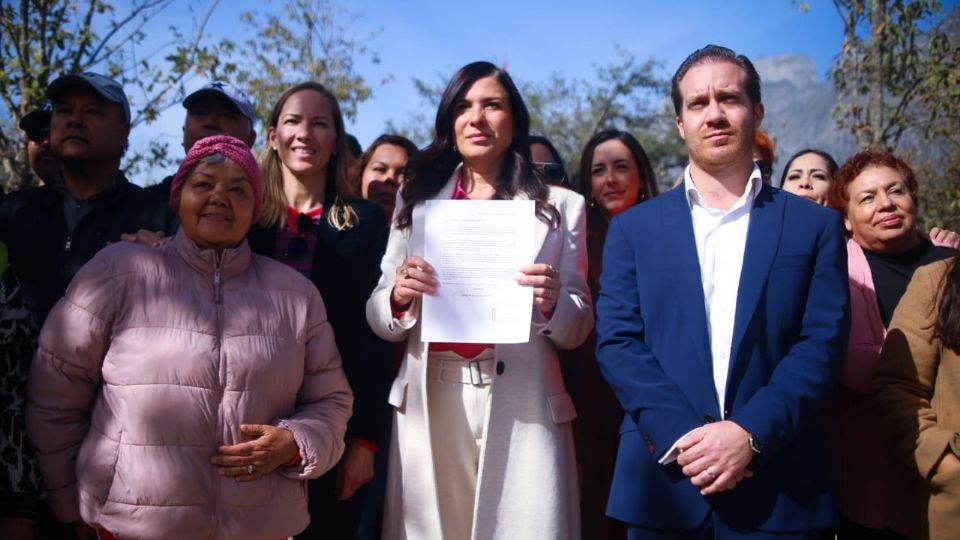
pixel 710 473
pixel 251 470
pixel 403 271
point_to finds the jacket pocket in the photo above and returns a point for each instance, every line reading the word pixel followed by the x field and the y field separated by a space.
pixel 561 408
pixel 97 464
pixel 398 393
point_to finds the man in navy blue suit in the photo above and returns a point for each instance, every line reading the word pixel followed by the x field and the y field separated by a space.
pixel 722 321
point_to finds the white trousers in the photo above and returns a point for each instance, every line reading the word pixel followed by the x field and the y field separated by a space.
pixel 458 393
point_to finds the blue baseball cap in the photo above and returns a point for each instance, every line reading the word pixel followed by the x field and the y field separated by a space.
pixel 110 89
pixel 36 123
pixel 226 90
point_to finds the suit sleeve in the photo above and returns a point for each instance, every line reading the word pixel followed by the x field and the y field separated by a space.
pixel 651 398
pixel 907 373
pixel 366 357
pixel 64 380
pixel 777 412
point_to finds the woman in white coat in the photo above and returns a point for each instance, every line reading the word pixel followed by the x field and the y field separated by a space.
pixel 482 446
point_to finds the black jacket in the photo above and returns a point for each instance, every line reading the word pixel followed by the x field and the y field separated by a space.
pixel 346 268
pixel 33 226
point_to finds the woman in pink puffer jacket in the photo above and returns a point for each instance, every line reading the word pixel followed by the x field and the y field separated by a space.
pixel 188 391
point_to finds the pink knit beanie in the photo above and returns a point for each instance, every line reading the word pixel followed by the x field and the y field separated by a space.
pixel 233 149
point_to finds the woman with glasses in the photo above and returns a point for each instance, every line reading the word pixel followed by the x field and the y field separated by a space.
pixel 482 445
pixel 315 221
pixel 546 158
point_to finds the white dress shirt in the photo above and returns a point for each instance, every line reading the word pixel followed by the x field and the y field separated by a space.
pixel 721 237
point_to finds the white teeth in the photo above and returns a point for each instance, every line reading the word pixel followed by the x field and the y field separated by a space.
pixel 304 151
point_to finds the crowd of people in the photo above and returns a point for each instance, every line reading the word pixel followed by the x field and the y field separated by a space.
pixel 236 351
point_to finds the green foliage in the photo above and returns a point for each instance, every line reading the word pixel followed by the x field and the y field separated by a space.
pixel 42 39
pixel 312 40
pixel 898 83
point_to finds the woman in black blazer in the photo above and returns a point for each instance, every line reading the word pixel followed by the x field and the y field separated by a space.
pixel 315 221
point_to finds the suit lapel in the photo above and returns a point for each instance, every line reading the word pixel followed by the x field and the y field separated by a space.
pixel 678 239
pixel 763 240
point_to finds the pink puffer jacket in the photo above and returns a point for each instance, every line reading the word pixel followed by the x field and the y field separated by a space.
pixel 152 360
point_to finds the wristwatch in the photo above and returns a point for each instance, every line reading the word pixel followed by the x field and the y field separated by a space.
pixel 755 445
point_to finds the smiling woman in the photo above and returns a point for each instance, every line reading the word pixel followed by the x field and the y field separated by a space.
pixel 315 222
pixel 204 384
pixel 217 203
pixel 876 193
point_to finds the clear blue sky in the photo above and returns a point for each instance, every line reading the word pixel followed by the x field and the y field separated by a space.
pixel 535 38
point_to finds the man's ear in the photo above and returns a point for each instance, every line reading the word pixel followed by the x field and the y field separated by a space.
pixel 758 111
pixel 679 121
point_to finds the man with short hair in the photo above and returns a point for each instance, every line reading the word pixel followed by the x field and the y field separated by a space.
pixel 217 108
pixel 722 322
pixel 36 125
pixel 53 230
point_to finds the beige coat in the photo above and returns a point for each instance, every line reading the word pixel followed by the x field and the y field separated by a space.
pixel 527 483
pixel 918 396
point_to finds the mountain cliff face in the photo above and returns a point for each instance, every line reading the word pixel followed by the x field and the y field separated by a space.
pixel 798 103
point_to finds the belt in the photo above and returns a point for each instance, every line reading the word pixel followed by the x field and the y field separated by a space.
pixel 475 372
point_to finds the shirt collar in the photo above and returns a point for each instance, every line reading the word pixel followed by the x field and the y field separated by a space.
pixel 694 198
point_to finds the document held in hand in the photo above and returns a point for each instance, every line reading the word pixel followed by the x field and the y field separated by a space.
pixel 477 249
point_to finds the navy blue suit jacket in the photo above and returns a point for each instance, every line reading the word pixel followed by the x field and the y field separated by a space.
pixel 790 332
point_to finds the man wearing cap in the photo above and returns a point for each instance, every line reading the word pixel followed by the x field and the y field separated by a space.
pixel 36 125
pixel 218 108
pixel 53 230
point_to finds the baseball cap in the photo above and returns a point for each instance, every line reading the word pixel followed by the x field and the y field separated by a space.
pixel 36 123
pixel 227 90
pixel 110 89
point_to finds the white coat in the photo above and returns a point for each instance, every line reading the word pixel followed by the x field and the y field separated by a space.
pixel 527 481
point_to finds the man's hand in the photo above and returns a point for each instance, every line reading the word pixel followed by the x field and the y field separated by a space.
pixel 715 457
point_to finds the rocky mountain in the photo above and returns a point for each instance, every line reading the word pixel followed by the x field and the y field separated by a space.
pixel 798 102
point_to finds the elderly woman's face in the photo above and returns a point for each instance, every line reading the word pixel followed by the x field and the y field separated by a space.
pixel 881 213
pixel 216 205
pixel 808 176
pixel 483 123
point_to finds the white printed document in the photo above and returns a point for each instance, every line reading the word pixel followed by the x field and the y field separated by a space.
pixel 477 249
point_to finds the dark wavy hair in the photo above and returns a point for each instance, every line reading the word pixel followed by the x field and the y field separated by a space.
pixel 831 163
pixel 439 159
pixel 948 318
pixel 648 178
pixel 715 53
pixel 364 159
pixel 856 164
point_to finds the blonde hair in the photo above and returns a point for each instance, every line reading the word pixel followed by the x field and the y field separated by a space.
pixel 340 214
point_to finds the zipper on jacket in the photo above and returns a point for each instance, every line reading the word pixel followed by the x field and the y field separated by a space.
pixel 68 243
pixel 216 278
pixel 216 517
